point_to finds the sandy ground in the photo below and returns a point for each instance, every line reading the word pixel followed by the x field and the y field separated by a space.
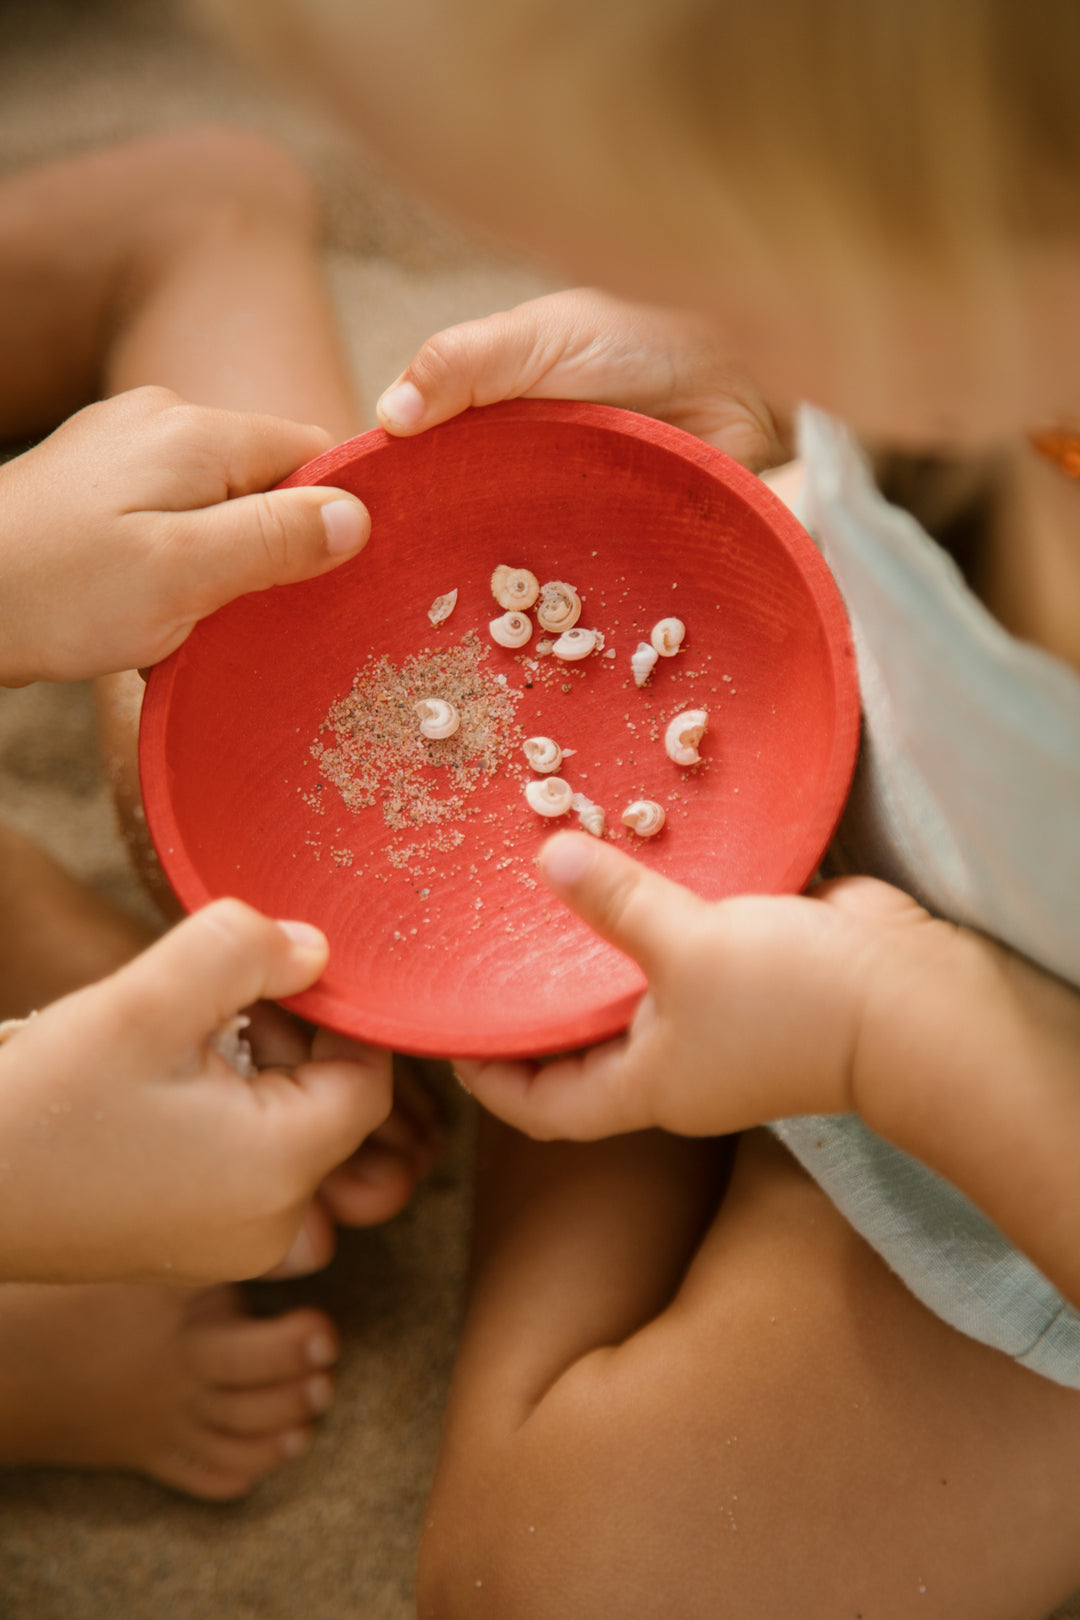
pixel 332 1536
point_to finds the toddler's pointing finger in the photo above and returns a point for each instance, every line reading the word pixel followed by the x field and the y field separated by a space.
pixel 636 910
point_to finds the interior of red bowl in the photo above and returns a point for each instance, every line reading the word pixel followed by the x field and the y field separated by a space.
pixel 442 939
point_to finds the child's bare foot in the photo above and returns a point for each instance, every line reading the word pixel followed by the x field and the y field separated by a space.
pixel 171 1382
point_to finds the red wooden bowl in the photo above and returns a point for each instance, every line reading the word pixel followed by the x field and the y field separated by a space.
pixel 459 949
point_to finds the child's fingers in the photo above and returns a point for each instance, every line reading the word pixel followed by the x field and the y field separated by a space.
pixel 480 362
pixel 169 449
pixel 186 985
pixel 343 1101
pixel 577 1098
pixel 248 544
pixel 638 911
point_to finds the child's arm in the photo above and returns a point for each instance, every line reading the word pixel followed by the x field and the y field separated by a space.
pixel 141 515
pixel 852 999
pixel 587 345
pixel 131 1150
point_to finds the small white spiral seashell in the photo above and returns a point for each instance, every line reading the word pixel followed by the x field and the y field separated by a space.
pixel 643 662
pixel 559 607
pixel 438 719
pixel 544 647
pixel 442 607
pixel 514 587
pixel 645 817
pixel 230 1043
pixel 591 815
pixel 575 644
pixel 683 735
pixel 512 630
pixel 543 754
pixel 668 636
pixel 549 797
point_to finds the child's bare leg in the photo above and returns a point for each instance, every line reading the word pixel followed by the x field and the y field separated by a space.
pixel 173 1382
pixel 55 933
pixel 186 260
pixel 780 1429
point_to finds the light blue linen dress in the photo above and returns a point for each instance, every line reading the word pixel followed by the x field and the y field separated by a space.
pixel 967 796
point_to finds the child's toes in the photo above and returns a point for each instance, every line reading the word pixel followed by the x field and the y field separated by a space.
pixel 268 1411
pixel 240 1352
pixel 372 1186
pixel 193 1476
pixel 221 1467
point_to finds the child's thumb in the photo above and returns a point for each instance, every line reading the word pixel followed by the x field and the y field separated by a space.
pixel 255 541
pixel 502 356
pixel 200 974
pixel 636 910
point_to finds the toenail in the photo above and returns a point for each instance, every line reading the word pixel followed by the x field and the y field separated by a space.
pixel 322 1350
pixel 295 1442
pixel 320 1393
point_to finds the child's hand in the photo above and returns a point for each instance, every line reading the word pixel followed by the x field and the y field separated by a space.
pixel 852 999
pixel 587 345
pixel 752 1012
pixel 141 515
pixel 129 1149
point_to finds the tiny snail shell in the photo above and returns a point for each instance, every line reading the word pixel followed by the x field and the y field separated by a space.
pixel 512 630
pixel 442 607
pixel 683 735
pixel 574 644
pixel 543 754
pixel 560 606
pixel 667 637
pixel 643 661
pixel 549 797
pixel 544 647
pixel 644 816
pixel 438 718
pixel 514 587
pixel 591 815
pixel 230 1043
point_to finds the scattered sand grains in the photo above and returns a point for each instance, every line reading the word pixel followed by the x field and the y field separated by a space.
pixel 374 754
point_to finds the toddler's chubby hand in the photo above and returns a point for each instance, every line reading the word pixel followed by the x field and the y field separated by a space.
pixel 131 1150
pixel 753 1011
pixel 587 345
pixel 139 516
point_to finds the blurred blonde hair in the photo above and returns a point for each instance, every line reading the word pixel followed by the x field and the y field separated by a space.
pixel 918 126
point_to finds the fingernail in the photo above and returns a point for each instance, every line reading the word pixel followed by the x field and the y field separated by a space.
pixel 402 404
pixel 564 861
pixel 346 525
pixel 461 1078
pixel 305 935
pixel 322 1350
pixel 319 1393
pixel 295 1442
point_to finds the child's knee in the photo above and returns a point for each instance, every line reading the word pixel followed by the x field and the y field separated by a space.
pixel 225 160
pixel 215 178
